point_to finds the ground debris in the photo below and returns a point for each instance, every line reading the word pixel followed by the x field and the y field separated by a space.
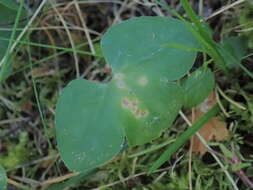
pixel 214 130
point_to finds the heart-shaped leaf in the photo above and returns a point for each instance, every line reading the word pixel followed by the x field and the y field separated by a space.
pixel 139 102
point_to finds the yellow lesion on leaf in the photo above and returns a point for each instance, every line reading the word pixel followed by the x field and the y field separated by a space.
pixel 119 76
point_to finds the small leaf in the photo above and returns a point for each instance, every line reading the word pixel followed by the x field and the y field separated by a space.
pixel 233 49
pixel 3 178
pixel 237 167
pixel 197 87
pixel 236 45
pixel 226 152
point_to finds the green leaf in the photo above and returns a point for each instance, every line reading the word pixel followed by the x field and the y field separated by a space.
pixel 147 105
pixel 233 50
pixel 238 166
pixel 88 133
pixel 139 102
pixel 3 178
pixel 226 152
pixel 197 87
pixel 140 42
pixel 231 55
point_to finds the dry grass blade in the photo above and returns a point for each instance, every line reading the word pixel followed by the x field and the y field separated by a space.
pixel 225 8
pixel 230 100
pixel 59 179
pixel 87 34
pixel 70 39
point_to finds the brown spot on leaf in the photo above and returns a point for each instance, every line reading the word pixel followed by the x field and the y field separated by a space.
pixel 133 107
pixel 125 101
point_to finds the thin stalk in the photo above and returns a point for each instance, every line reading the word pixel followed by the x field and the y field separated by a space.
pixel 23 32
pixel 37 98
pixel 52 47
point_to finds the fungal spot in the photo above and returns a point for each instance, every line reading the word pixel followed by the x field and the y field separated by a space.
pixel 119 76
pixel 141 113
pixel 133 107
pixel 143 81
pixel 138 112
pixel 134 103
pixel 119 81
pixel 144 113
pixel 125 103
pixel 121 84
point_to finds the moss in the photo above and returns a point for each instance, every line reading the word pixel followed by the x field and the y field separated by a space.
pixel 16 153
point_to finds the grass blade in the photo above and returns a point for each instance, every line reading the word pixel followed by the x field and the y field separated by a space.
pixel 6 64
